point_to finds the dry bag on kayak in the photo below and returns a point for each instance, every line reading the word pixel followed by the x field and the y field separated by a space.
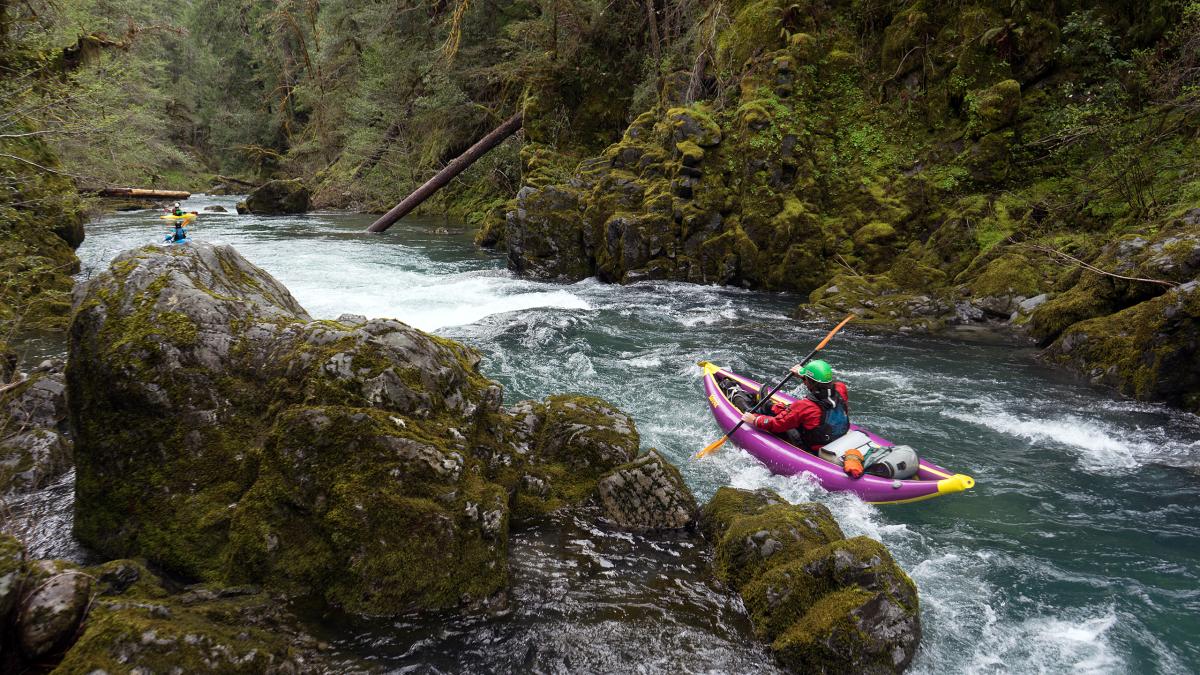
pixel 897 461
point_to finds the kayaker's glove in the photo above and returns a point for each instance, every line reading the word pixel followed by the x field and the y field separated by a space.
pixel 852 463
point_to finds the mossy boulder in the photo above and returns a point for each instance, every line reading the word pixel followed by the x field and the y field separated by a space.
pixel 279 197
pixel 565 445
pixel 824 603
pixel 543 236
pixel 1148 351
pixel 771 537
pixel 137 625
pixel 839 608
pixel 55 601
pixel 647 494
pixel 225 436
pixel 995 107
pixel 35 446
pixel 880 301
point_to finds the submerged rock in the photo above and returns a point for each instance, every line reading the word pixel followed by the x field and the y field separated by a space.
pixel 824 603
pixel 279 197
pixel 225 436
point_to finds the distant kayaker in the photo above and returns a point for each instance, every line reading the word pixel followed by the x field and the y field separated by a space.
pixel 180 232
pixel 177 210
pixel 811 422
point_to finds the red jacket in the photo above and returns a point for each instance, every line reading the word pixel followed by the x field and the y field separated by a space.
pixel 803 414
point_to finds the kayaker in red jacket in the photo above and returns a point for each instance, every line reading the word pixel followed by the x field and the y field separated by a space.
pixel 821 417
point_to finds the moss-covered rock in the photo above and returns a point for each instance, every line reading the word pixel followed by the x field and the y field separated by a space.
pixel 824 603
pixel 994 108
pixel 841 607
pixel 54 602
pixel 226 437
pixel 137 625
pixel 1148 351
pixel 12 574
pixel 279 197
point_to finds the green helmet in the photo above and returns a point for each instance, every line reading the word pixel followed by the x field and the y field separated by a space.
pixel 818 371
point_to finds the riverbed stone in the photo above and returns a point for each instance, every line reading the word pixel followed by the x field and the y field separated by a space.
pixel 647 494
pixel 225 436
pixel 824 603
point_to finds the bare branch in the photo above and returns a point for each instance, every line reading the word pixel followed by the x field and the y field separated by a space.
pixel 1092 268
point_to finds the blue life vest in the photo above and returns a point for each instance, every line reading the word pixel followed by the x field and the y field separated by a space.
pixel 835 418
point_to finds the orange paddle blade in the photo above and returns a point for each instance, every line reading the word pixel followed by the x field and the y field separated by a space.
pixel 711 448
pixel 833 332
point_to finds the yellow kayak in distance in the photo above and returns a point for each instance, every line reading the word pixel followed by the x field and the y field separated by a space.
pixel 185 217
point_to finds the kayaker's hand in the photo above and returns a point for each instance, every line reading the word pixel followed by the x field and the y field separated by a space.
pixel 749 417
pixel 798 370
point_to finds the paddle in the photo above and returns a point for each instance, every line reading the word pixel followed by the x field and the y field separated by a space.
pixel 721 441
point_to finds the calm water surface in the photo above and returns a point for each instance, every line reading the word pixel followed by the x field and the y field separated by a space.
pixel 1078 551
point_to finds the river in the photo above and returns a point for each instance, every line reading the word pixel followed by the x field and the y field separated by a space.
pixel 1077 551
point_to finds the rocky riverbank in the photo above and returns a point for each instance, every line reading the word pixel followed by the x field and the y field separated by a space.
pixel 249 457
pixel 974 166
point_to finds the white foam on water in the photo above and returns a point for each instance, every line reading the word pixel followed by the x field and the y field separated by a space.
pixel 1097 445
pixel 1048 644
pixel 426 301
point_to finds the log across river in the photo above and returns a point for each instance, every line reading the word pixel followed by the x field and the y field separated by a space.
pixel 1078 550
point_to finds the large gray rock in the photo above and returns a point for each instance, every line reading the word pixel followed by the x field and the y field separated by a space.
pixel 52 611
pixel 225 436
pixel 279 197
pixel 647 494
pixel 34 444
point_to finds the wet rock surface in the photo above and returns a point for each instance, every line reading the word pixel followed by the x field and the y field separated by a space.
pixel 647 494
pixel 225 436
pixel 824 603
pixel 35 444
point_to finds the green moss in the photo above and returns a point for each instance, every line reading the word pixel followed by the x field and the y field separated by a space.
pixel 993 108
pixel 772 537
pixel 1011 274
pixel 755 28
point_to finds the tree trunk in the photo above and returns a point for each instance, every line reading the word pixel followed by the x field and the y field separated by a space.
pixel 138 193
pixel 447 174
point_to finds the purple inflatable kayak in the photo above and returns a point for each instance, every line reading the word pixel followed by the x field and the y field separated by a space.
pixel 786 459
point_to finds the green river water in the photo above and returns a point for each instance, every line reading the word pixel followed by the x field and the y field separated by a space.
pixel 1077 551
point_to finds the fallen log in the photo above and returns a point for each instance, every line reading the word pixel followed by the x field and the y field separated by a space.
pixel 139 193
pixel 457 166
